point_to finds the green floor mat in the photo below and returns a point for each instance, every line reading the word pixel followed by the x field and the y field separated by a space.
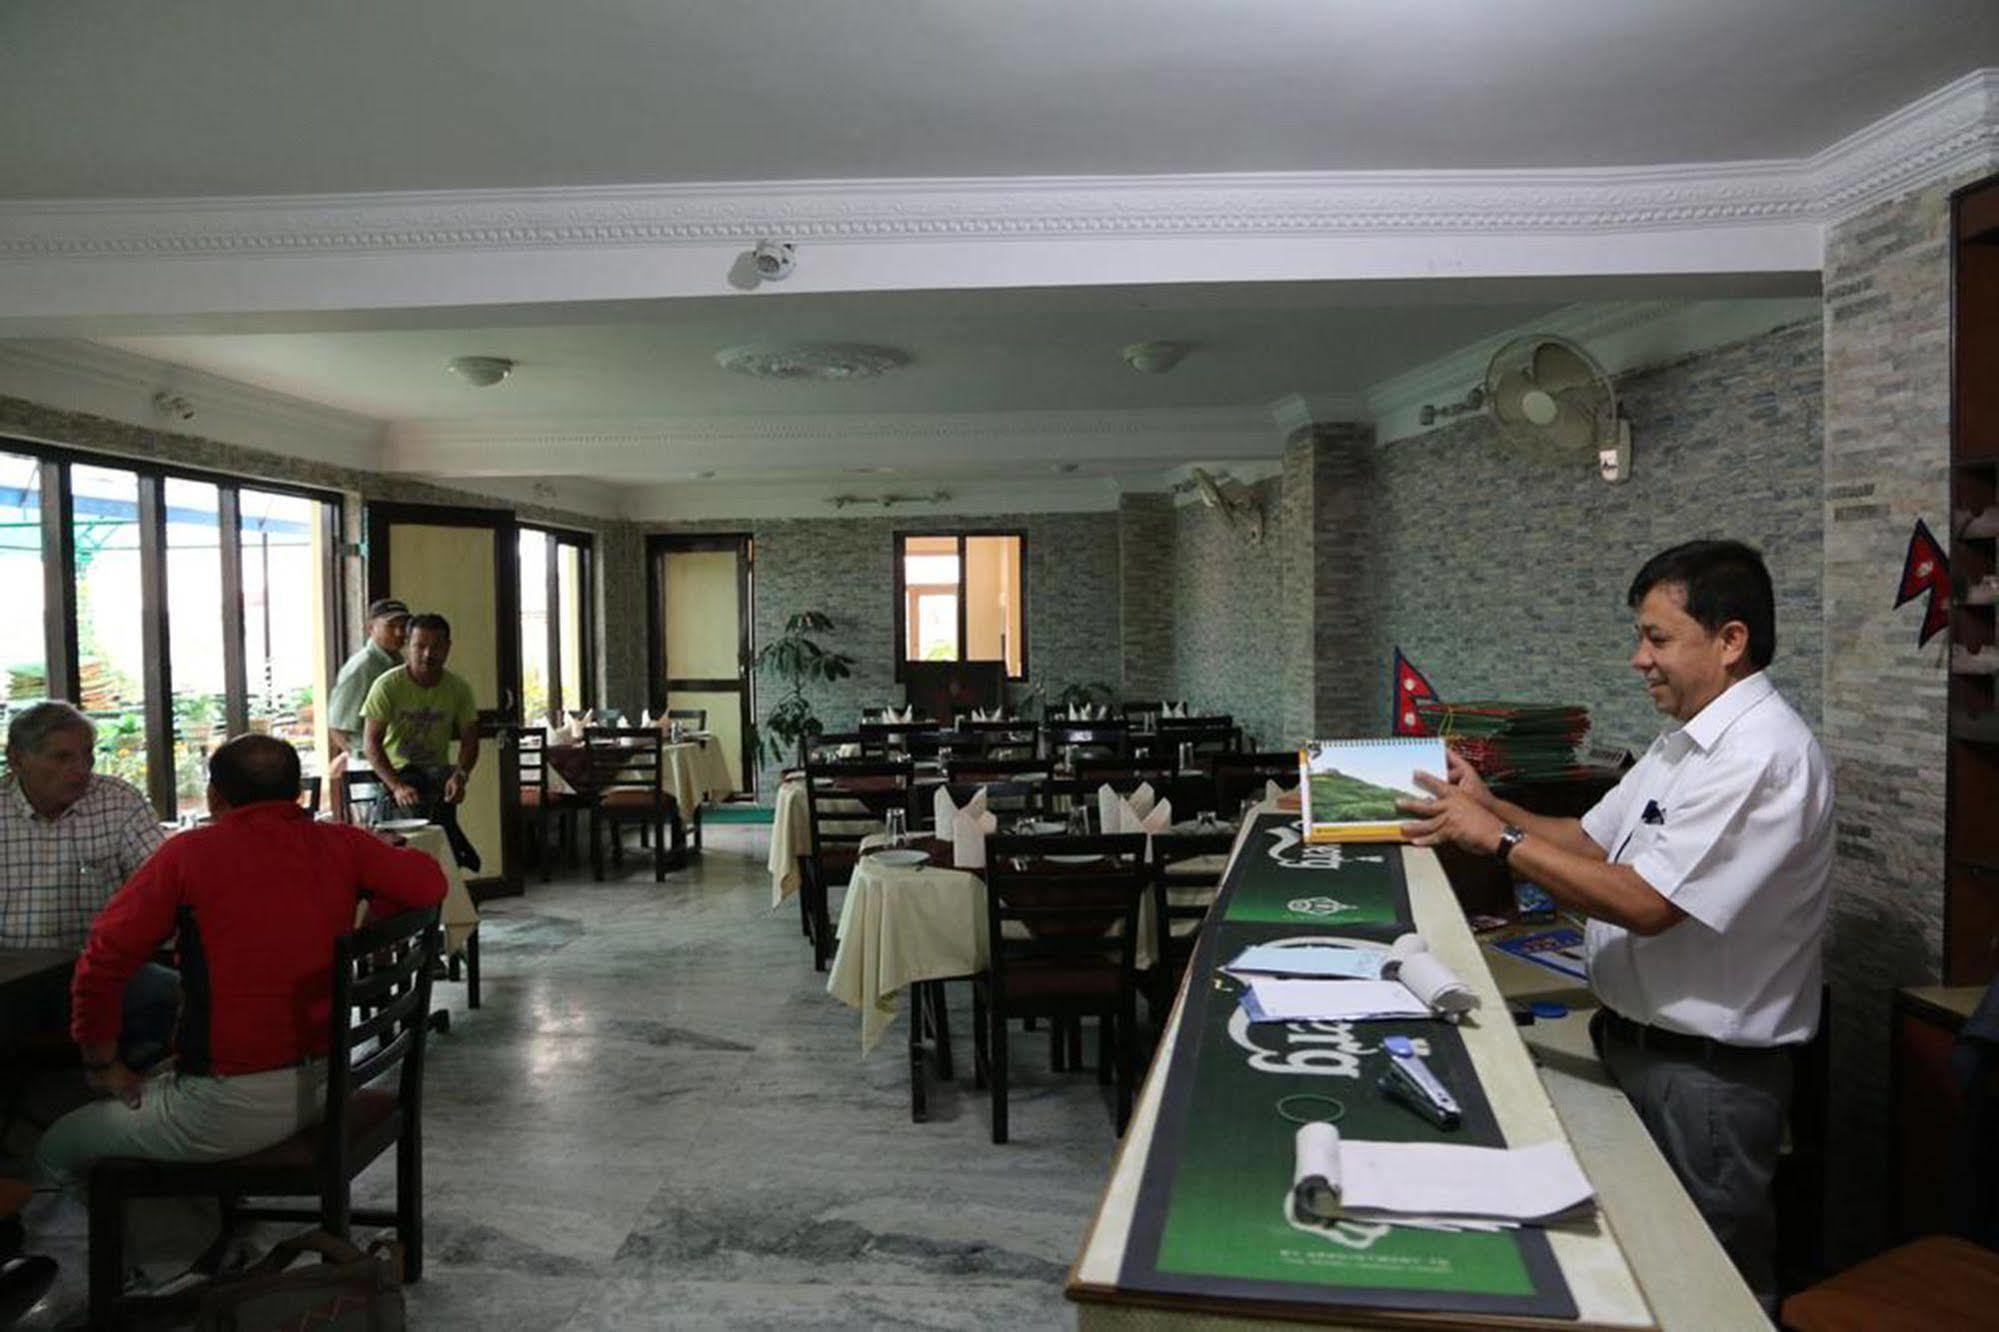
pixel 737 814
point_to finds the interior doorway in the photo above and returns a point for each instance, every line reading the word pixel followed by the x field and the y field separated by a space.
pixel 699 598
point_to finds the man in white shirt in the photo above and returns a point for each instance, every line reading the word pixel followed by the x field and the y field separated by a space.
pixel 1705 875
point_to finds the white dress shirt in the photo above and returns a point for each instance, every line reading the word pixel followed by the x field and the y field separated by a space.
pixel 56 874
pixel 1730 817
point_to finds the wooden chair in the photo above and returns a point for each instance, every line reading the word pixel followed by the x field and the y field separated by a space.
pixel 832 747
pixel 979 768
pixel 844 802
pixel 1239 776
pixel 310 792
pixel 1062 959
pixel 1184 866
pixel 629 762
pixel 1208 736
pixel 1010 802
pixel 1109 738
pixel 880 739
pixel 551 810
pixel 382 972
pixel 1190 794
pixel 360 786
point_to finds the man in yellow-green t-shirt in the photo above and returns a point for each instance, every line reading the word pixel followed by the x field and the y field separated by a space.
pixel 413 715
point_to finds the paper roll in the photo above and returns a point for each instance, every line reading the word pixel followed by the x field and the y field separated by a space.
pixel 1436 984
pixel 1315 1172
pixel 1404 948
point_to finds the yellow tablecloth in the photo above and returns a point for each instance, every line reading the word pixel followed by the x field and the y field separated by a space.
pixel 692 772
pixel 899 926
pixel 790 838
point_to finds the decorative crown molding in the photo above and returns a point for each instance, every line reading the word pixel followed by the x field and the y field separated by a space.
pixel 1936 136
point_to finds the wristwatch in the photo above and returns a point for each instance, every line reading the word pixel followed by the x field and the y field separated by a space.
pixel 1509 837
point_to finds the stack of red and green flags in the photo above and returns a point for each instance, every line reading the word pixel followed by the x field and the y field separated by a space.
pixel 1514 742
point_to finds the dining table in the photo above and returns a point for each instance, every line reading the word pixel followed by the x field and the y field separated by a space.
pixel 692 770
pixel 903 925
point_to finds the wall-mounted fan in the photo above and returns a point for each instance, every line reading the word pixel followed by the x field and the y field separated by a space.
pixel 1233 501
pixel 1551 400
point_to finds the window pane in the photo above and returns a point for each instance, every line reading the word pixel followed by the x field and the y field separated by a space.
pixel 109 602
pixel 570 591
pixel 283 546
pixel 919 570
pixel 937 626
pixel 194 633
pixel 535 696
pixel 23 669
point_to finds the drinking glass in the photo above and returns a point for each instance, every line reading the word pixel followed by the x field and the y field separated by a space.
pixel 1186 756
pixel 1079 819
pixel 898 828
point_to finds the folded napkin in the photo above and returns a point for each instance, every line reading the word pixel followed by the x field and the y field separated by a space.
pixel 575 727
pixel 966 829
pixel 645 718
pixel 1141 813
pixel 1173 710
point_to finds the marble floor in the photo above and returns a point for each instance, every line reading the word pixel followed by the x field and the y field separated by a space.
pixel 659 1119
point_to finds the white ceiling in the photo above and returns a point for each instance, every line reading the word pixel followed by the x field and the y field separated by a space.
pixel 1041 350
pixel 136 98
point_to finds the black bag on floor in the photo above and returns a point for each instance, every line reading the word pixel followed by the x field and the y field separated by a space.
pixel 348 1291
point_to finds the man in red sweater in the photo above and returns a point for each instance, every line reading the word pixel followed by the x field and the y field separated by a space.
pixel 254 902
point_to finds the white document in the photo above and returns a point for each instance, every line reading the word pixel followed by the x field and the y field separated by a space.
pixel 1271 999
pixel 1321 960
pixel 1438 1184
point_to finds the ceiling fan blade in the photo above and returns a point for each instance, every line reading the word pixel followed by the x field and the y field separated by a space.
pixel 1507 394
pixel 1575 430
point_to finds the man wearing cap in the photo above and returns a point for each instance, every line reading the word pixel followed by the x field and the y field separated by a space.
pixel 388 623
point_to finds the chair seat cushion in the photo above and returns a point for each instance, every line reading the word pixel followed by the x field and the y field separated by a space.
pixel 635 800
pixel 1938 1281
pixel 530 796
pixel 1083 980
pixel 366 1112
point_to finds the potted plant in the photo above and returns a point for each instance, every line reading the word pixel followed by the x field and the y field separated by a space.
pixel 797 659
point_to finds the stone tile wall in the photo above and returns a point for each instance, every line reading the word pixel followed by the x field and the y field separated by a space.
pixel 1887 451
pixel 81 430
pixel 1346 594
pixel 1503 576
pixel 844 567
pixel 1228 617
pixel 1147 567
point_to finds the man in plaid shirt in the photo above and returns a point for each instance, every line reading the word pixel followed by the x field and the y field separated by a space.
pixel 68 838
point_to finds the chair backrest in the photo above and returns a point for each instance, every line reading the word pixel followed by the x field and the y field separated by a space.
pixel 1109 737
pixel 309 793
pixel 846 801
pixel 1010 801
pixel 1183 863
pixel 1117 771
pixel 880 737
pixel 626 756
pixel 1001 739
pixel 697 718
pixel 1208 735
pixel 1239 776
pixel 361 783
pixel 381 972
pixel 979 768
pixel 826 746
pixel 533 760
pixel 1190 795
pixel 1066 912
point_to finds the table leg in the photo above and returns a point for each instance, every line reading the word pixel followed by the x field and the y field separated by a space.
pixel 919 1108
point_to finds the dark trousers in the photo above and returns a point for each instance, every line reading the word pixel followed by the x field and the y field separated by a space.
pixel 429 783
pixel 1719 1121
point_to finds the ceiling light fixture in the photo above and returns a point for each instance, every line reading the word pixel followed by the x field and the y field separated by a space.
pixel 888 501
pixel 823 362
pixel 1155 358
pixel 480 371
pixel 173 405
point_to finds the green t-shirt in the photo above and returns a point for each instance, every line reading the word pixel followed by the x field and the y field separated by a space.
pixel 422 724
pixel 350 688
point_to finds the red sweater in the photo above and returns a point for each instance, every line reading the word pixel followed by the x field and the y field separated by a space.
pixel 258 898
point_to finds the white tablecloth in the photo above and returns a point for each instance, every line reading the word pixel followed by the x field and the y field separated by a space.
pixel 457 914
pixel 790 838
pixel 899 926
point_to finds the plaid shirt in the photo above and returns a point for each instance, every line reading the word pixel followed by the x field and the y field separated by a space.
pixel 56 874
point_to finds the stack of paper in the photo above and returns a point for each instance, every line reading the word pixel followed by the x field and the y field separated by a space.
pixel 1346 984
pixel 1436 1186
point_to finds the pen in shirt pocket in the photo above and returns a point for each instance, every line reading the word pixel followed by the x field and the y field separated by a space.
pixel 1655 814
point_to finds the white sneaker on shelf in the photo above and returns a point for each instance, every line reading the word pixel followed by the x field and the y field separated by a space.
pixel 1984 524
